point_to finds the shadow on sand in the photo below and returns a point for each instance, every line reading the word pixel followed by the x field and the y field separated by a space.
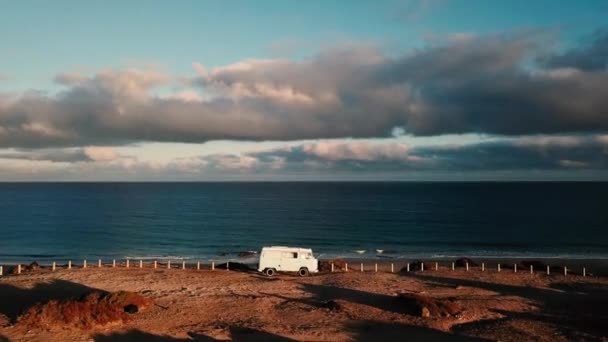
pixel 16 300
pixel 236 333
pixel 577 310
pixel 364 331
pixel 369 330
pixel 323 293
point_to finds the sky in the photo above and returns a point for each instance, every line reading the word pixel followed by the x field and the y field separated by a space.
pixel 420 90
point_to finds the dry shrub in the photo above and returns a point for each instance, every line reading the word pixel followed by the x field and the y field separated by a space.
pixel 426 306
pixel 94 309
pixel 339 265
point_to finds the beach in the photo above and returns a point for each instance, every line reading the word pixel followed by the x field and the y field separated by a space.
pixel 222 305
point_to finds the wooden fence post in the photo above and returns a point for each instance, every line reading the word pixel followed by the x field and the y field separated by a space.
pixel 332 267
pixel 69 264
pixel 361 267
pixel 183 265
pixel 345 267
pixel 376 268
pixel 498 267
pixel 483 266
pixel 466 264
pixel 584 272
pixel 155 264
pixel 54 266
pixel 436 266
pixel 127 263
pixel 565 271
pixel 514 268
pixel 168 263
pixel 84 264
pixel 213 265
pixel 452 266
pixel 548 270
pixel 113 263
pixel 198 265
pixel 408 266
pixel 99 263
pixel 141 264
pixel 392 268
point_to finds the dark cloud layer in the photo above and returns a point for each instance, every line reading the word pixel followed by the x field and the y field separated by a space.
pixel 476 85
pixel 53 155
pixel 529 153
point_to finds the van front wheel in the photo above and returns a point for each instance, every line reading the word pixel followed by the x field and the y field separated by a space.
pixel 303 272
pixel 269 272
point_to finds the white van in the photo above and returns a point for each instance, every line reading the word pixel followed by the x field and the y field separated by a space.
pixel 289 259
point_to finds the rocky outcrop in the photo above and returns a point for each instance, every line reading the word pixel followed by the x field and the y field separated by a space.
pixel 32 267
pixel 462 262
pixel 415 266
pixel 325 265
pixel 95 309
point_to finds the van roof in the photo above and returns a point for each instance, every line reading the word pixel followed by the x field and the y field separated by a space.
pixel 286 248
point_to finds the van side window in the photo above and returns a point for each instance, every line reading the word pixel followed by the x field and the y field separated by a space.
pixel 289 255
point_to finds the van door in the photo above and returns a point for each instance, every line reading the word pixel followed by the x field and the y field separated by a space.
pixel 289 261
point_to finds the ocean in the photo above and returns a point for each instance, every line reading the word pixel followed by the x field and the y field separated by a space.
pixel 215 221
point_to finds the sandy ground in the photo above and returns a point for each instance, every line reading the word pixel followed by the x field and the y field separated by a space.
pixel 224 305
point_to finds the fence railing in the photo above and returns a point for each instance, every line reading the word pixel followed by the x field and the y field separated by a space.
pixel 341 267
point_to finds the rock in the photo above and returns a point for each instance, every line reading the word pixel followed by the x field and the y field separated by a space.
pixel 95 309
pixel 325 265
pixel 331 305
pixel 462 262
pixel 415 266
pixel 426 306
pixel 247 254
pixel 32 267
pixel 537 265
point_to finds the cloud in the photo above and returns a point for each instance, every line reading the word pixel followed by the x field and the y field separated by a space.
pixel 100 153
pixel 53 155
pixel 528 153
pixel 571 157
pixel 66 155
pixel 481 84
pixel 589 57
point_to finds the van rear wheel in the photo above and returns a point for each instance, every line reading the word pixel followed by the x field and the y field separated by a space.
pixel 303 272
pixel 269 272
